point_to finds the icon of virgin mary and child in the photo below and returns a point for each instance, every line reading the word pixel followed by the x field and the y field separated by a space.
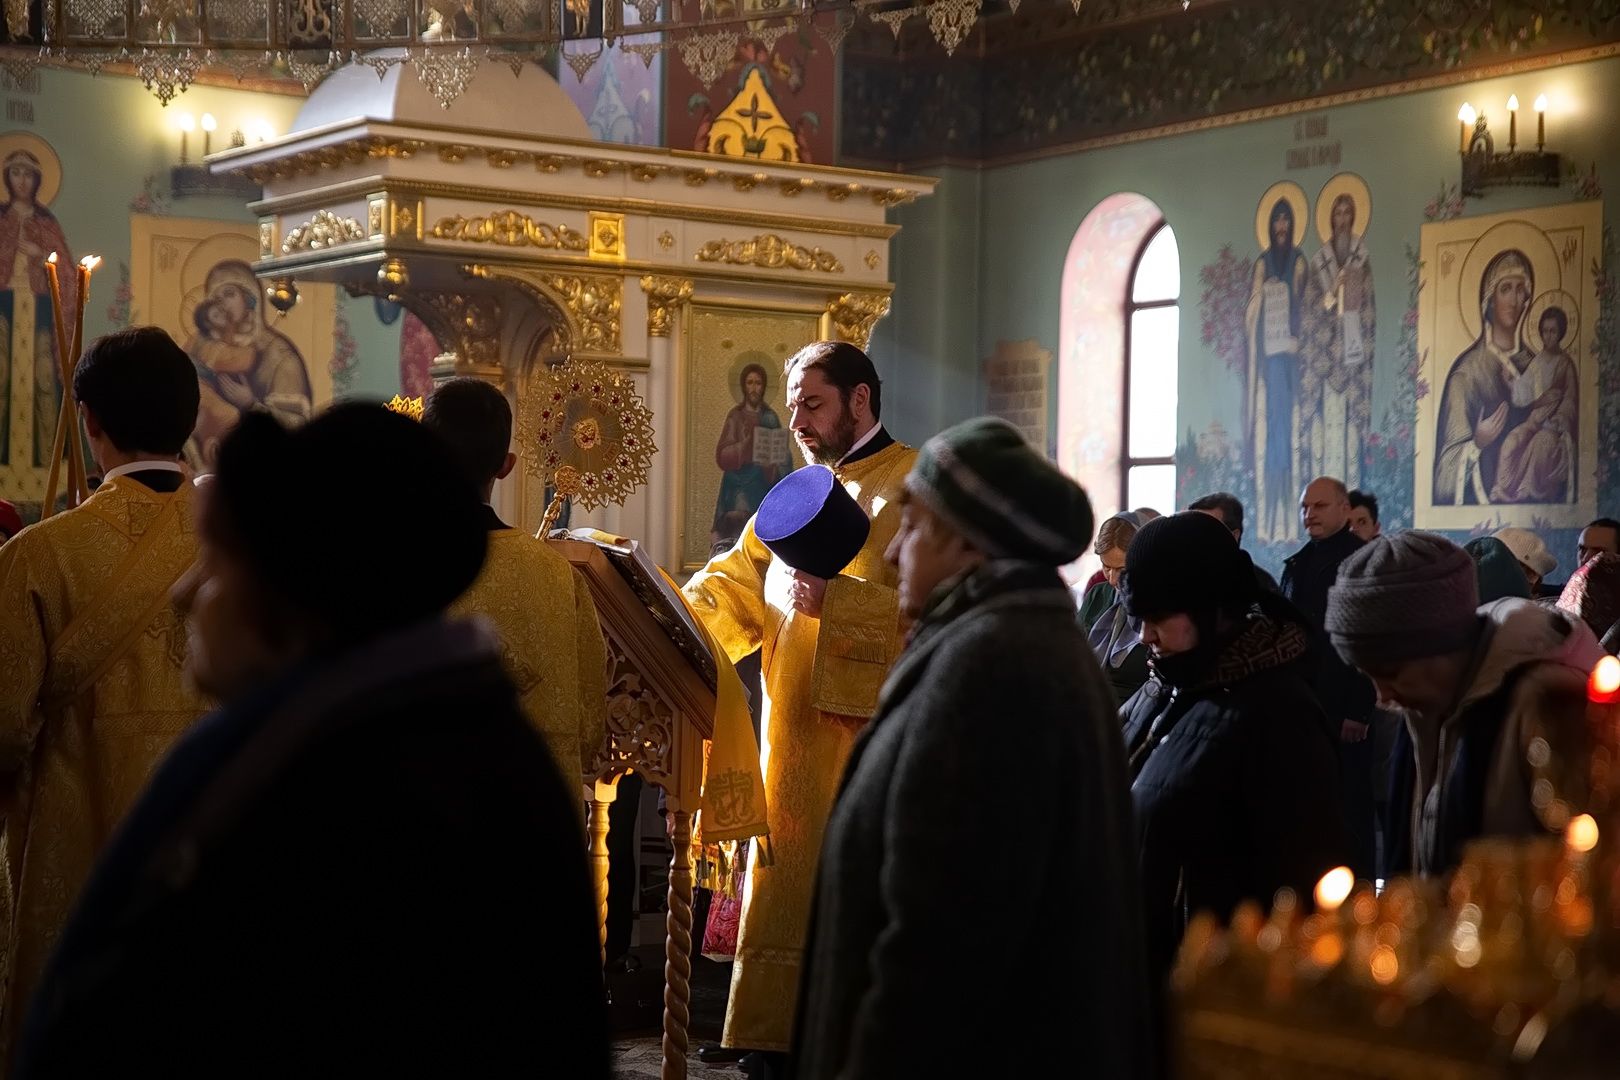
pixel 1510 409
pixel 242 364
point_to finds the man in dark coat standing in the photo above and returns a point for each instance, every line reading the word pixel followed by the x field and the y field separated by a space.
pixel 364 863
pixel 995 756
pixel 1346 695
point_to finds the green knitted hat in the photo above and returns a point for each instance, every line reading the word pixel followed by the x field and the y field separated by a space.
pixel 1002 497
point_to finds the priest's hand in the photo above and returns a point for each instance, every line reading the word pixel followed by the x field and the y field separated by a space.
pixel 808 593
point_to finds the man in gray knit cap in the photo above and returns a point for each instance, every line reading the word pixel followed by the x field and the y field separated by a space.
pixel 1477 685
pixel 997 696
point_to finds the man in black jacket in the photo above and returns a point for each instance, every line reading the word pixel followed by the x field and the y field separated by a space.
pixel 1345 694
pixel 997 697
pixel 365 863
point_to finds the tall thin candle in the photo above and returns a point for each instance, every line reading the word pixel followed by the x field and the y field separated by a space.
pixel 86 265
pixel 59 317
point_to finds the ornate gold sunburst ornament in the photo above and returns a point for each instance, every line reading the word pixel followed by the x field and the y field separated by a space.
pixel 407 407
pixel 587 435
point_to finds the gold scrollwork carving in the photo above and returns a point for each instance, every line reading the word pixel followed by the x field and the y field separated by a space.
pixel 454 153
pixel 855 314
pixel 887 197
pixel 595 302
pixel 323 230
pixel 376 215
pixel 771 252
pixel 640 724
pixel 469 325
pixel 508 228
pixel 665 295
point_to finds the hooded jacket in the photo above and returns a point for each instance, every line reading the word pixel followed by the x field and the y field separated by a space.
pixel 1235 779
pixel 1470 775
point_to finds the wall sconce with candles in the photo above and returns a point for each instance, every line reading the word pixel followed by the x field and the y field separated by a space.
pixel 194 178
pixel 1483 166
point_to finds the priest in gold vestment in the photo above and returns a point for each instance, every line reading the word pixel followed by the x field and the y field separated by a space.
pixel 551 643
pixel 827 647
pixel 92 691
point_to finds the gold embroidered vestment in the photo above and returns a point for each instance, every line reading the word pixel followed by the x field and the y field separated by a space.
pixel 821 681
pixel 551 644
pixel 92 695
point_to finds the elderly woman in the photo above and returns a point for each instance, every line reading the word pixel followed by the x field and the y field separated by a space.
pixel 1113 635
pixel 365 858
pixel 1593 595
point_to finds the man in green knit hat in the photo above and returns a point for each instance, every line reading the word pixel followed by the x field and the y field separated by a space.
pixel 994 763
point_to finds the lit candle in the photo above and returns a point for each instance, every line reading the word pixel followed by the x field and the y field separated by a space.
pixel 208 126
pixel 1334 889
pixel 188 124
pixel 65 414
pixel 1467 116
pixel 1513 122
pixel 1541 123
pixel 86 265
pixel 1603 687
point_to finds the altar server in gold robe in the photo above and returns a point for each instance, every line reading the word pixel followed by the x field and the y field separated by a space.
pixel 827 646
pixel 551 644
pixel 92 691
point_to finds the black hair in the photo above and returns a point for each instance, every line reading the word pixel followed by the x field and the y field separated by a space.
pixel 474 419
pixel 1557 313
pixel 843 365
pixel 1227 505
pixel 290 502
pixel 1605 523
pixel 1359 499
pixel 142 389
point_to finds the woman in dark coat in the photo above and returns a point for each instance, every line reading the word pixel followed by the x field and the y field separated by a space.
pixel 1234 774
pixel 364 864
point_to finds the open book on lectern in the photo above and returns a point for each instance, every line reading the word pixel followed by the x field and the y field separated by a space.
pixel 654 589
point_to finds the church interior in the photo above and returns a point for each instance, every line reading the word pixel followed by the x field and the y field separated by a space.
pixel 1150 235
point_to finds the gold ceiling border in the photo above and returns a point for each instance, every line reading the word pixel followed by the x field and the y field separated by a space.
pixel 323 230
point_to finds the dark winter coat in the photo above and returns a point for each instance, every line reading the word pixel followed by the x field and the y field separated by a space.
pixel 1235 783
pixel 1308 575
pixel 370 868
pixel 993 774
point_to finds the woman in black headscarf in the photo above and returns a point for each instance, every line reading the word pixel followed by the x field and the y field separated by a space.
pixel 365 859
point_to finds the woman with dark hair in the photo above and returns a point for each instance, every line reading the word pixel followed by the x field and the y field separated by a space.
pixel 1232 762
pixel 365 859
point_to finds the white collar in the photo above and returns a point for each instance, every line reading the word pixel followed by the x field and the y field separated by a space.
pixel 860 442
pixel 143 466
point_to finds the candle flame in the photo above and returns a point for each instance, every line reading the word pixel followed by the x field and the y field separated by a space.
pixel 90 262
pixel 187 122
pixel 51 258
pixel 1582 834
pixel 1605 677
pixel 1334 888
pixel 1541 103
pixel 1467 114
pixel 1513 103
pixel 208 122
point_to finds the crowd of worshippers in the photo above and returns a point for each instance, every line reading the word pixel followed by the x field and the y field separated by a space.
pixel 290 754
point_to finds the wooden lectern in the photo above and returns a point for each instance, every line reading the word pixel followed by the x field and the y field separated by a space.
pixel 660 710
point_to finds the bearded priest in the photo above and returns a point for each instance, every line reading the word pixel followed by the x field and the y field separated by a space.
pixel 827 645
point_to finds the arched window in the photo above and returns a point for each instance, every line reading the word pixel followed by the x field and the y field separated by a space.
pixel 1152 344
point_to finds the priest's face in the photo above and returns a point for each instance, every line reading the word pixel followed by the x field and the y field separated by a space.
pixel 928 553
pixel 822 423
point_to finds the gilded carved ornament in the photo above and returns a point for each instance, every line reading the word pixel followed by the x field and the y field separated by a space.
pixel 267 239
pixel 855 314
pixel 594 302
pixel 665 295
pixel 771 252
pixel 607 236
pixel 323 230
pixel 508 228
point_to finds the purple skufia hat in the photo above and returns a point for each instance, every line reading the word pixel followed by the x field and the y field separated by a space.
pixel 811 523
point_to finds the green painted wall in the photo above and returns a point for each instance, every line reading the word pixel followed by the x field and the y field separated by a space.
pixel 1020 220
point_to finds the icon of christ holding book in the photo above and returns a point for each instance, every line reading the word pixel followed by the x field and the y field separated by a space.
pixel 753 453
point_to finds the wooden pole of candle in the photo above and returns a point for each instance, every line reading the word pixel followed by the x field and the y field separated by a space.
pixel 64 369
